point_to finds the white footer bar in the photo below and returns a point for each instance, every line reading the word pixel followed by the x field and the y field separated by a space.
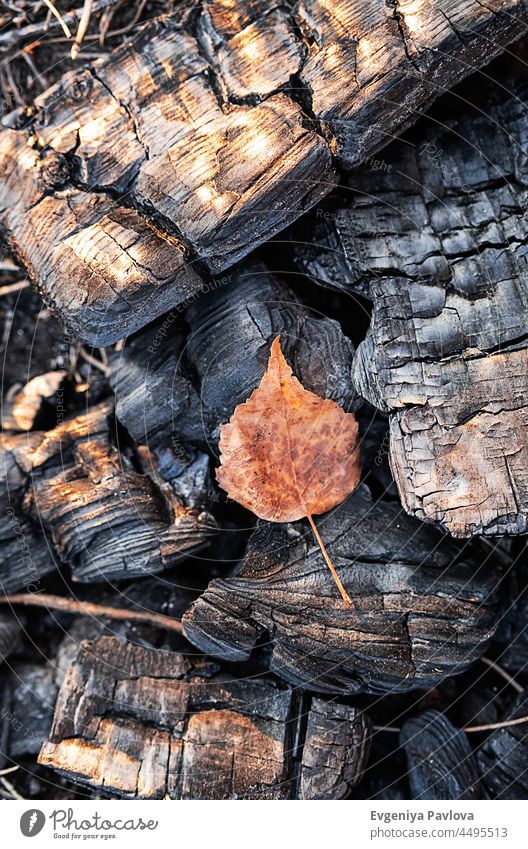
pixel 263 825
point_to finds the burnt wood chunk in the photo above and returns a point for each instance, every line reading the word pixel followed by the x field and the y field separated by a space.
pixel 440 760
pixel 172 391
pixel 436 235
pixel 423 607
pixel 106 518
pixel 25 555
pixel 503 757
pixel 33 692
pixel 103 268
pixel 211 130
pixel 141 723
pixel 10 634
pixel 371 69
pixel 232 329
pixel 157 402
pixel 333 730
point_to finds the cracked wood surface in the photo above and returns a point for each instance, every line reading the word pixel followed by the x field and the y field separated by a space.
pixel 142 723
pixel 106 519
pixel 423 605
pixel 210 131
pixel 167 384
pixel 502 757
pixel 436 236
pixel 440 761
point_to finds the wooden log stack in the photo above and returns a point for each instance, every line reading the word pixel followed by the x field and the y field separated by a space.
pixel 173 157
pixel 163 643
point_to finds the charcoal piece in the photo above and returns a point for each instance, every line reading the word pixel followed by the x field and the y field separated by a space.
pixel 106 520
pixel 422 606
pixel 155 395
pixel 503 757
pixel 235 135
pixel 25 554
pixel 440 760
pixel 333 731
pixel 33 691
pixel 143 723
pixel 232 329
pixel 437 234
pixel 10 634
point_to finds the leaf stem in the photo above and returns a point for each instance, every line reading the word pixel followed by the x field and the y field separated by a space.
pixel 345 596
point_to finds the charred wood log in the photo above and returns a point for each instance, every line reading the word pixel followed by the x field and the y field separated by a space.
pixel 440 760
pixel 148 724
pixel 171 392
pixel 10 634
pixel 116 188
pixel 503 757
pixel 371 71
pixel 106 518
pixel 101 267
pixel 437 235
pixel 423 607
pixel 333 732
pixel 245 316
pixel 511 637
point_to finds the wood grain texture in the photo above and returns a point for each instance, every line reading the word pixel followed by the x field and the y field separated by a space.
pixel 146 724
pixel 106 519
pixel 187 384
pixel 209 132
pixel 502 757
pixel 423 608
pixel 440 760
pixel 435 234
pixel 24 550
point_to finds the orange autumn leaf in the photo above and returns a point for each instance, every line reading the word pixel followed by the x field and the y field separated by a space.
pixel 287 454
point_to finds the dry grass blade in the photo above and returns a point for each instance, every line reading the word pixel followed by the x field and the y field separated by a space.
pixel 55 12
pixel 82 28
pixel 84 608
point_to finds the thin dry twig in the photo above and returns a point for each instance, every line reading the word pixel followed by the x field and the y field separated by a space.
pixel 469 729
pixel 9 770
pixel 13 86
pixel 344 595
pixel 34 70
pixel 502 672
pixel 12 790
pixel 54 11
pixel 13 287
pixel 489 726
pixel 94 361
pixel 11 39
pixel 85 608
pixel 82 28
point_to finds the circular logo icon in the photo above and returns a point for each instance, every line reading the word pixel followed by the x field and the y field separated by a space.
pixel 32 822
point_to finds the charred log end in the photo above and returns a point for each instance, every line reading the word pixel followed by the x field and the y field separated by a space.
pixel 215 738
